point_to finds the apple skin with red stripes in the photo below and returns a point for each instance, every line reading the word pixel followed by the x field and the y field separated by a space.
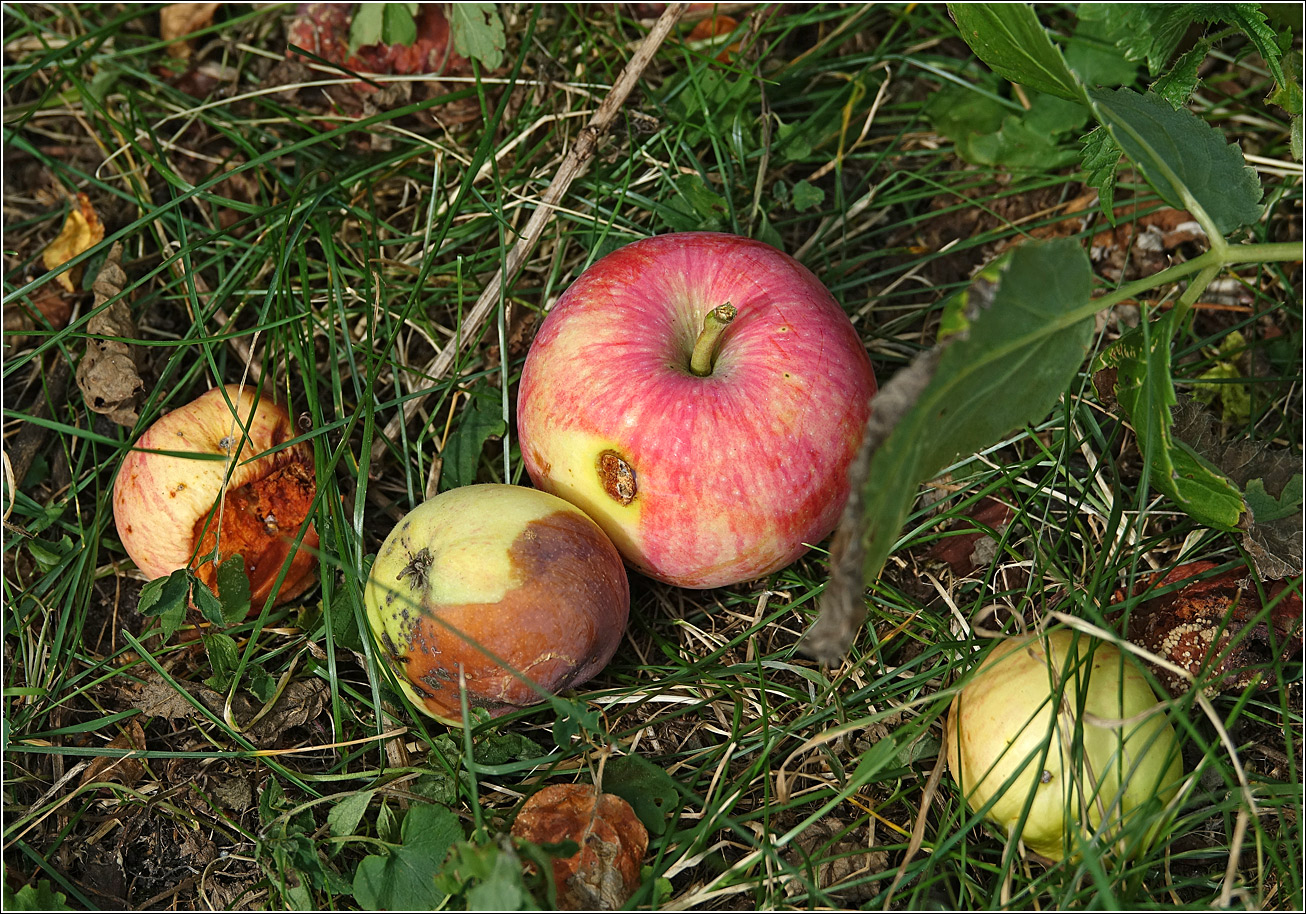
pixel 700 480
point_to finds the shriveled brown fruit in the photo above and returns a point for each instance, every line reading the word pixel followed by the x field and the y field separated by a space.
pixel 1200 627
pixel 604 873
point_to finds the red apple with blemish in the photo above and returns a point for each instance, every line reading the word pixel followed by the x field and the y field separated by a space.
pixel 701 396
pixel 484 585
pixel 213 473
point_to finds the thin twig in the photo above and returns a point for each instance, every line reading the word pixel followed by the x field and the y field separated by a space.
pixel 577 160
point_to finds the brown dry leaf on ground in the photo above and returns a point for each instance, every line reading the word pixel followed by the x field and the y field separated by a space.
pixel 836 862
pixel 126 771
pixel 82 230
pixel 300 703
pixel 179 19
pixel 107 373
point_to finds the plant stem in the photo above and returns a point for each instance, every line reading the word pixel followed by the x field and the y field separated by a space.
pixel 714 324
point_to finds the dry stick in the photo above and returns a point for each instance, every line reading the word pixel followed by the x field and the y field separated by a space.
pixel 578 158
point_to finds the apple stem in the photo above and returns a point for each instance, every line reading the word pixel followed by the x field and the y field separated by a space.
pixel 714 324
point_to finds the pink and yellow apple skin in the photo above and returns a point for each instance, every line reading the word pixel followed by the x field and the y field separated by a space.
pixel 699 481
pixel 171 485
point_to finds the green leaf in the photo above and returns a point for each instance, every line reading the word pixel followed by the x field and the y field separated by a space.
pixel 1099 154
pixel 398 25
pixel 1145 391
pixel 206 601
pixel 1005 367
pixel 367 26
pixel 651 792
pixel 233 590
pixel 224 656
pixel 404 879
pixel 1177 84
pixel 481 420
pixel 166 599
pixel 1183 157
pixel 477 32
pixel 1010 39
pixel 343 818
pixel 807 196
pixel 1093 54
pixel 1266 508
pixel 40 896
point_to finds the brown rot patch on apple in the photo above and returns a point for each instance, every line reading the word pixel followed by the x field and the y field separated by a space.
pixel 417 566
pixel 617 477
pixel 260 521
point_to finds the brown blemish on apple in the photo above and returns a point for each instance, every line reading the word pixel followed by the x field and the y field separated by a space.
pixel 284 496
pixel 560 555
pixel 617 477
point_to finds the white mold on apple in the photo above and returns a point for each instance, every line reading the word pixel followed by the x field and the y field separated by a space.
pixel 1079 734
pixel 483 584
pixel 701 396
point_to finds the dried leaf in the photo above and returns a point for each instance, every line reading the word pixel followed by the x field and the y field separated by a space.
pixel 107 373
pixel 126 771
pixel 299 703
pixel 180 19
pixel 82 230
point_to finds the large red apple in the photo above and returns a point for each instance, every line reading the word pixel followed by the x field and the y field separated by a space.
pixel 700 395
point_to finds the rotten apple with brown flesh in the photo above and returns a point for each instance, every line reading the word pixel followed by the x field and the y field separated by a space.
pixel 173 504
pixel 701 396
pixel 484 585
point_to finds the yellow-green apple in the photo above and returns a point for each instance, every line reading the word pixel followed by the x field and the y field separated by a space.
pixel 483 585
pixel 174 503
pixel 1062 725
pixel 701 396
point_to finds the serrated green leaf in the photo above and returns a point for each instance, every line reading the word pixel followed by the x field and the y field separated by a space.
pixel 224 655
pixel 481 420
pixel 343 818
pixel 1014 44
pixel 650 791
pixel 233 590
pixel 1099 155
pixel 1181 156
pixel 404 879
pixel 1250 19
pixel 206 601
pixel 477 32
pixel 957 399
pixel 1145 391
pixel 1177 84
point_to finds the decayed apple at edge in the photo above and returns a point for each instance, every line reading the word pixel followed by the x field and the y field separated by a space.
pixel 484 584
pixel 166 505
pixel 701 480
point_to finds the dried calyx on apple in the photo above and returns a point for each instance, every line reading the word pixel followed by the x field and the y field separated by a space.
pixel 1063 732
pixel 210 480
pixel 499 593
